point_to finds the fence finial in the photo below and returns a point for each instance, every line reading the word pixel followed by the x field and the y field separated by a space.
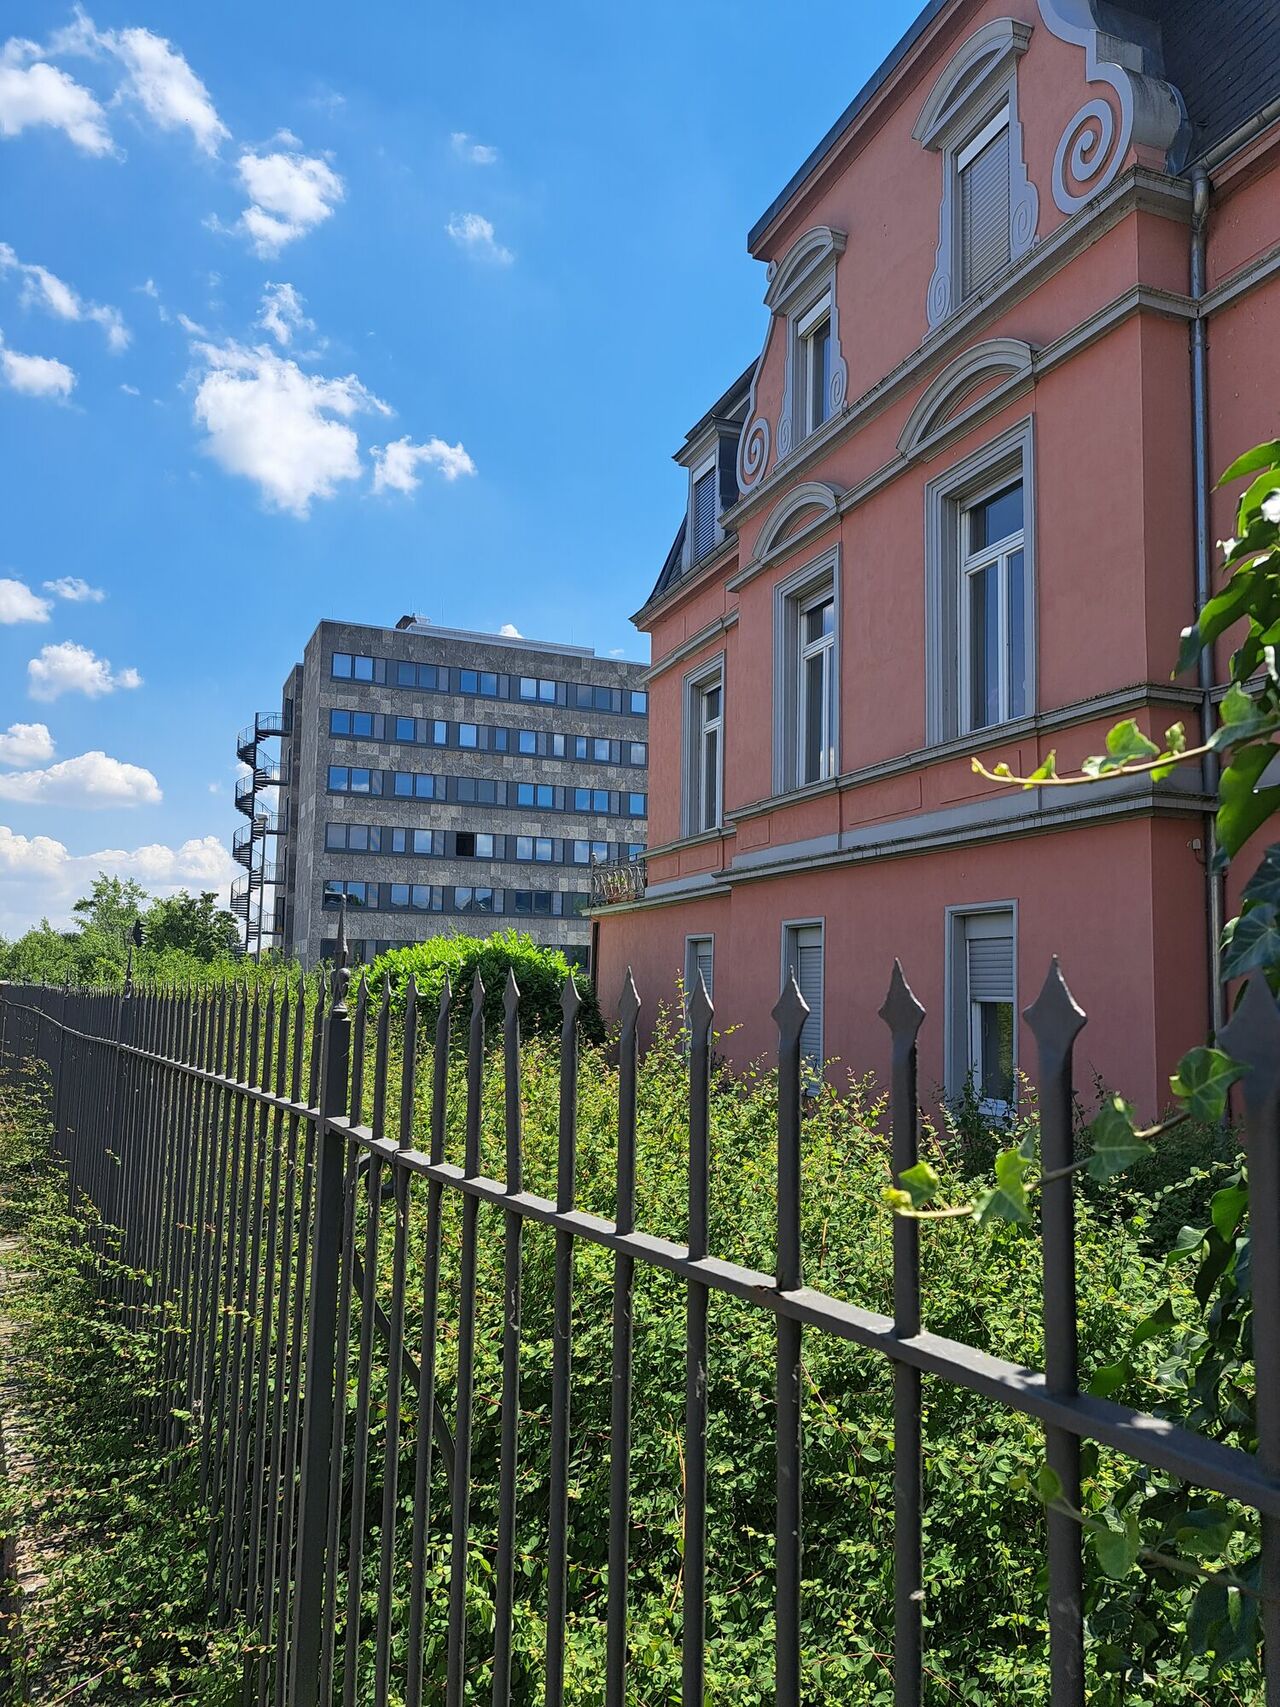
pixel 701 1007
pixel 511 994
pixel 341 979
pixel 1055 1017
pixel 901 1010
pixel 570 1000
pixel 629 1001
pixel 790 1011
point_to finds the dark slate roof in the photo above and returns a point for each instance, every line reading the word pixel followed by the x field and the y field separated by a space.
pixel 1224 55
pixel 671 568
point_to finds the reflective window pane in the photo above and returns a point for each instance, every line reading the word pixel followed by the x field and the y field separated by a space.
pixel 996 518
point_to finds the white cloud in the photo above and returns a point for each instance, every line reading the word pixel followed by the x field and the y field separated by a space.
pixel 618 652
pixel 35 376
pixel 130 390
pixel 26 744
pixel 91 780
pixel 285 430
pixel 43 289
pixel 70 668
pixel 75 590
pixel 289 194
pixel 165 86
pixel 40 877
pixel 19 604
pixel 510 632
pixel 191 327
pixel 474 234
pixel 41 94
pixel 473 152
pixel 395 467
pixel 282 314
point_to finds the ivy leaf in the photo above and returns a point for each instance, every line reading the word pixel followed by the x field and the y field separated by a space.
pixel 1255 497
pixel 1109 1379
pixel 1264 885
pixel 1261 456
pixel 1205 1533
pixel 1208 1610
pixel 1161 1319
pixel 1251 942
pixel 1220 613
pixel 1048 1484
pixel 921 1183
pixel 1046 772
pixel 1127 745
pixel 1007 1199
pixel 1243 806
pixel 1116 1145
pixel 1203 1078
pixel 1117 1549
pixel 1227 1207
pixel 1187 1243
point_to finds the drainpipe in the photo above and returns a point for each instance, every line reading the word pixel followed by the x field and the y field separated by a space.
pixel 1201 493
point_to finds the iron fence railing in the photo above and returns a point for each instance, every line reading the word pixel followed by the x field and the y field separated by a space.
pixel 616 880
pixel 225 1137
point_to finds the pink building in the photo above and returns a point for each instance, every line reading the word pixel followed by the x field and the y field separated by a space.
pixel 1022 304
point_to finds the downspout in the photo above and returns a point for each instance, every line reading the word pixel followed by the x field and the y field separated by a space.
pixel 1201 494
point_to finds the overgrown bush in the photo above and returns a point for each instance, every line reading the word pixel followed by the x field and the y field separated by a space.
pixel 540 974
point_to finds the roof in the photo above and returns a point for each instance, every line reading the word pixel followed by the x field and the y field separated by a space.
pixel 1224 58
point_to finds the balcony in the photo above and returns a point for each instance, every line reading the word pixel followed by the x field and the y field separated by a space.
pixel 616 880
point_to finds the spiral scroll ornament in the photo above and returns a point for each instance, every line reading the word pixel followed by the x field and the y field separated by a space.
pixel 1091 152
pixel 753 452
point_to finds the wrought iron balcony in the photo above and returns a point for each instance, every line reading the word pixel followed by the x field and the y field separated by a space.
pixel 616 880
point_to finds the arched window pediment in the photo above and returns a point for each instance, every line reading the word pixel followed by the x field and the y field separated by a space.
pixel 941 409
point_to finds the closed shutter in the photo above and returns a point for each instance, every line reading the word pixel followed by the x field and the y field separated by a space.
pixel 699 962
pixel 984 213
pixel 704 515
pixel 990 959
pixel 805 960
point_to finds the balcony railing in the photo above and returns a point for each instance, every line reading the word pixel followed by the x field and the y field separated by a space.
pixel 616 880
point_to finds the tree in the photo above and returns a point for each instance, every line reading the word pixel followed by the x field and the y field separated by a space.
pixel 111 907
pixel 193 925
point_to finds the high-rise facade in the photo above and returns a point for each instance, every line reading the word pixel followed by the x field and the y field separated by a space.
pixel 441 781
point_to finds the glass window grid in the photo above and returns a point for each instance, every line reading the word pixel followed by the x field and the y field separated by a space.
pixel 346 724
pixel 488 684
pixel 993 649
pixel 488 791
pixel 817 708
pixel 452 898
pixel 403 842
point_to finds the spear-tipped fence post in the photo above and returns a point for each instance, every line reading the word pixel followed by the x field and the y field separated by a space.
pixel 326 1248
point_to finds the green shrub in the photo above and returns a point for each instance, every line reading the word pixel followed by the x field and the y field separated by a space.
pixel 540 974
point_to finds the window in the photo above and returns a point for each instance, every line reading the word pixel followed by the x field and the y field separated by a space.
pixel 557 746
pixel 990 210
pixel 406 729
pixel 339 779
pixel 580 746
pixel 342 665
pixel 637 805
pixel 424 841
pixel 807 675
pixel 358 838
pixel 704 754
pixel 638 753
pixel 702 513
pixel 335 837
pixel 982 170
pixel 979 566
pixel 802 960
pixel 639 703
pixel 468 681
pixel 699 962
pixel 468 735
pixel 982 1041
pixel 813 361
pixel 602 750
pixel 406 675
pixel 339 722
pixel 528 741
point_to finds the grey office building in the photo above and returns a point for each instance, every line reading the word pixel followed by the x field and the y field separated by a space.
pixel 442 781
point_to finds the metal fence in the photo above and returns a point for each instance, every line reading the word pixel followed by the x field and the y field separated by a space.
pixel 224 1137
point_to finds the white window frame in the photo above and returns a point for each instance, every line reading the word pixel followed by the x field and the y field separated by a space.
pixel 962 1051
pixel 824 648
pixel 697 684
pixel 814 1058
pixel 816 582
pixel 970 564
pixel 1007 459
pixel 805 326
pixel 691 945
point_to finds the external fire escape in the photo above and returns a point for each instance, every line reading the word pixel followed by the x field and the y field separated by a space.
pixel 254 896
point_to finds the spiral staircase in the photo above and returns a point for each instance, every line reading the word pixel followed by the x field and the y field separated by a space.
pixel 254 897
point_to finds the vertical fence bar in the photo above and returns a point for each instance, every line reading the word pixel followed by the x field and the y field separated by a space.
pixel 395 1332
pixel 317 1420
pixel 427 1356
pixel 620 1391
pixel 693 1636
pixel 461 1491
pixel 903 1015
pixel 562 1351
pixel 789 1015
pixel 1055 1022
pixel 504 1579
pixel 1253 1039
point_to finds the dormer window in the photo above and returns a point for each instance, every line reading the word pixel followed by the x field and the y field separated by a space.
pixel 702 512
pixel 990 208
pixel 982 170
pixel 813 352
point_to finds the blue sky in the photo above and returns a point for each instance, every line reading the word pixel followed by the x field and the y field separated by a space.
pixel 313 311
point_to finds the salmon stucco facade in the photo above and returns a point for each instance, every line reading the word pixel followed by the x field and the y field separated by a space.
pixel 1023 301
